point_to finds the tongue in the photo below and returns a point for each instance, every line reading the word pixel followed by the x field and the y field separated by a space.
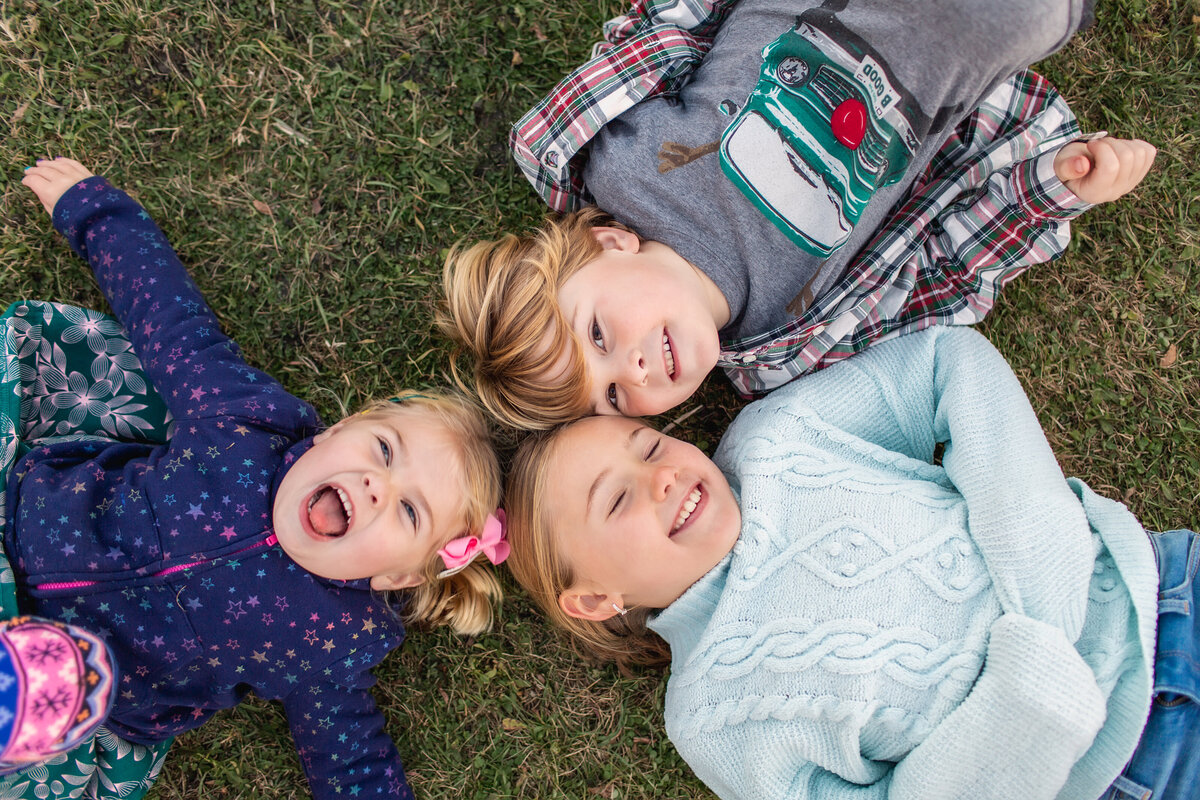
pixel 327 515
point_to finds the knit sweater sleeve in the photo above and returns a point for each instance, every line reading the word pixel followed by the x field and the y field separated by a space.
pixel 197 369
pixel 949 385
pixel 1032 713
pixel 344 749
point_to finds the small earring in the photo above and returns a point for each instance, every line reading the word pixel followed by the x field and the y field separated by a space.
pixel 619 610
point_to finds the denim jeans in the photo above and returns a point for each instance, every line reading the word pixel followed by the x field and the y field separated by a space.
pixel 1166 763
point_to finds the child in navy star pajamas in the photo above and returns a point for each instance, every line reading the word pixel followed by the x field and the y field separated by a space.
pixel 250 552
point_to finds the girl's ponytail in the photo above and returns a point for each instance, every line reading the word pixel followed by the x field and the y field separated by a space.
pixel 464 601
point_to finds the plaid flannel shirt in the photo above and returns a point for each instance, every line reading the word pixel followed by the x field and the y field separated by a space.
pixel 986 208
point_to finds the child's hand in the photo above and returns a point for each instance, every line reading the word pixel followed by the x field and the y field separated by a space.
pixel 50 180
pixel 1103 169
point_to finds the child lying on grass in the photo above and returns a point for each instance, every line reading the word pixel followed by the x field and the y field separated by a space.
pixel 847 617
pixel 830 175
pixel 250 552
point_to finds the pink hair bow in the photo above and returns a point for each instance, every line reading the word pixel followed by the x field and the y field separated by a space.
pixel 492 542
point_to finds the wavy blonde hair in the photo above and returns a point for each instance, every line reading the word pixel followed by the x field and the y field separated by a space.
pixel 538 564
pixel 466 600
pixel 501 301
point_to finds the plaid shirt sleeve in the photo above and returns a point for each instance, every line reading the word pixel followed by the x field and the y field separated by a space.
pixel 988 206
pixel 651 50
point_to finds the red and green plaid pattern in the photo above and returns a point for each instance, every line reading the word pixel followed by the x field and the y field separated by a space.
pixel 649 51
pixel 987 207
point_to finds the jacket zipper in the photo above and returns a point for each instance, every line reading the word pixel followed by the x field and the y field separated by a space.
pixel 267 542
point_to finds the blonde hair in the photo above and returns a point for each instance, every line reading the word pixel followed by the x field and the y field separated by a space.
pixel 501 301
pixel 539 566
pixel 463 601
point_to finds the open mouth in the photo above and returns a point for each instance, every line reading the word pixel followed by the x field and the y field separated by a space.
pixel 687 509
pixel 668 355
pixel 329 511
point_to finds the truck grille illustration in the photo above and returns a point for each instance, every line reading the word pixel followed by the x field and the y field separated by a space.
pixel 824 128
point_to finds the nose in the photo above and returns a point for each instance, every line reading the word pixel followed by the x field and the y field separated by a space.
pixel 662 478
pixel 635 369
pixel 376 487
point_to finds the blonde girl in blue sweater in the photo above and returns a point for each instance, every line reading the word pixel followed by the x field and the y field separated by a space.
pixel 846 615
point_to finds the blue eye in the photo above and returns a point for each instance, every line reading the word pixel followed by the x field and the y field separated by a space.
pixel 386 450
pixel 597 336
pixel 412 512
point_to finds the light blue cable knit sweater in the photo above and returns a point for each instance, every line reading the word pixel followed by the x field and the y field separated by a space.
pixel 885 627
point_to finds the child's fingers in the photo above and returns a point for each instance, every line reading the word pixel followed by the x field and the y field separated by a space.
pixel 1143 155
pixel 1106 164
pixel 59 163
pixel 1117 166
pixel 1134 159
pixel 49 179
pixel 59 169
pixel 62 166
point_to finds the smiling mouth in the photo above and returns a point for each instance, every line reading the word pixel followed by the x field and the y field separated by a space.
pixel 687 509
pixel 668 355
pixel 330 511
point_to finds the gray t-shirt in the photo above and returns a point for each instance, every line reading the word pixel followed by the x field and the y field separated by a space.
pixel 801 129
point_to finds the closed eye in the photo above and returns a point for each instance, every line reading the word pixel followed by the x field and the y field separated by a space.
pixel 653 449
pixel 616 504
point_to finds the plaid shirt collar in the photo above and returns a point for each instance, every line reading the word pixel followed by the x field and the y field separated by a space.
pixel 649 51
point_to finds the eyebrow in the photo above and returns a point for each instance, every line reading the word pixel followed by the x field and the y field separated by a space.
pixel 604 473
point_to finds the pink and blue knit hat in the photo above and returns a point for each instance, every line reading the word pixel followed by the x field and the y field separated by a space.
pixel 56 688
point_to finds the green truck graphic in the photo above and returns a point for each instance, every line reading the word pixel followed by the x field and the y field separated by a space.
pixel 824 128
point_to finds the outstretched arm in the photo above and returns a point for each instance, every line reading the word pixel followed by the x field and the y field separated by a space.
pixel 196 368
pixel 997 198
pixel 343 747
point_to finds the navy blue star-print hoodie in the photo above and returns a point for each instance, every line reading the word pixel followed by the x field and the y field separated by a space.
pixel 167 550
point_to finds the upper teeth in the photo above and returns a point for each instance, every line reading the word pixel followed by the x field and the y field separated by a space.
pixel 689 506
pixel 668 355
pixel 346 504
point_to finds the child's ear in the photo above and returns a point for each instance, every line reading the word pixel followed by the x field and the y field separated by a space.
pixel 617 239
pixel 394 583
pixel 588 605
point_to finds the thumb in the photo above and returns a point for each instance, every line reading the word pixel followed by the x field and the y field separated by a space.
pixel 1072 162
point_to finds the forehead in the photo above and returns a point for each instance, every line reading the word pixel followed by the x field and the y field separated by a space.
pixel 585 448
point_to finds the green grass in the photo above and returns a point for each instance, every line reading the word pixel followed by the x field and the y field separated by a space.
pixel 312 161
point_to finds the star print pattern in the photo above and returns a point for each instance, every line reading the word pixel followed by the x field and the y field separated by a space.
pixel 166 550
